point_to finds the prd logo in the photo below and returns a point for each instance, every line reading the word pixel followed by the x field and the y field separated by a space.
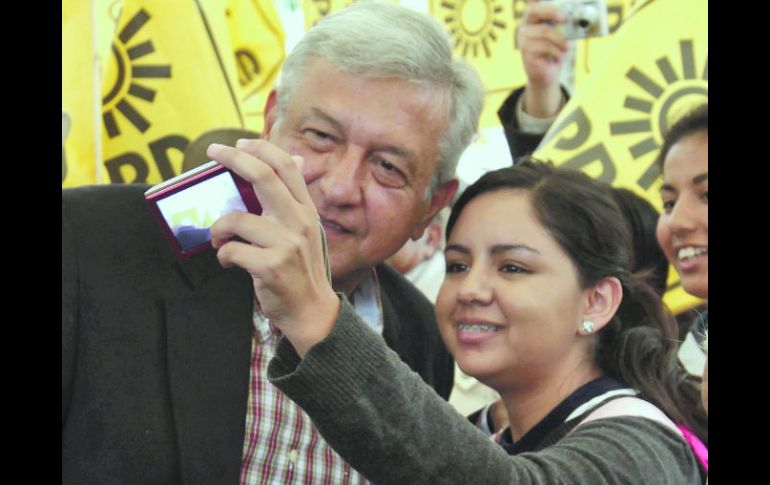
pixel 125 88
pixel 657 105
pixel 472 23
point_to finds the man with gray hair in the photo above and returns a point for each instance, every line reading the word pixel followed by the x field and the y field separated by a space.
pixel 164 362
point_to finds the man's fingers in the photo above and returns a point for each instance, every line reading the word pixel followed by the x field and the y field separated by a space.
pixel 274 196
pixel 262 231
pixel 266 250
pixel 288 168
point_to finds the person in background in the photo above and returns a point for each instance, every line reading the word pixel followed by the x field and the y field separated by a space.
pixel 528 112
pixel 164 362
pixel 538 303
pixel 682 229
pixel 421 261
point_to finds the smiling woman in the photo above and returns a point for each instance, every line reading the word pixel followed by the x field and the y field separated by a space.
pixel 561 262
pixel 538 303
pixel 683 229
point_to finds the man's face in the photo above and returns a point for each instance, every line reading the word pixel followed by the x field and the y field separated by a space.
pixel 370 148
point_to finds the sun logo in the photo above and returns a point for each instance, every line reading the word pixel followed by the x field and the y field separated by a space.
pixel 472 23
pixel 123 84
pixel 661 104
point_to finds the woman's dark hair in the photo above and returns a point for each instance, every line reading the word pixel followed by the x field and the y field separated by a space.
pixel 693 122
pixel 647 258
pixel 639 345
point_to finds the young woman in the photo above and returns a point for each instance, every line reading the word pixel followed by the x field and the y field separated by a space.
pixel 683 228
pixel 539 305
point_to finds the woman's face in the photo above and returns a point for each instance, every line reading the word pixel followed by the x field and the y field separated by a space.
pixel 683 228
pixel 510 306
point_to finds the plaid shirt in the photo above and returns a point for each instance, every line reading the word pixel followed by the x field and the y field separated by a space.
pixel 282 445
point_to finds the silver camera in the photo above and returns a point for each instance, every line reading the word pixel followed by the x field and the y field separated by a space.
pixel 584 18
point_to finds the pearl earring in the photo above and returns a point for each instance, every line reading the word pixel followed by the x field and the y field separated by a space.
pixel 588 326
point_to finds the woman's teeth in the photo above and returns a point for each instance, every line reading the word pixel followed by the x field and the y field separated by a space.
pixel 477 327
pixel 691 252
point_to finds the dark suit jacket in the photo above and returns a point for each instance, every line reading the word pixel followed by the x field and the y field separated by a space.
pixel 156 352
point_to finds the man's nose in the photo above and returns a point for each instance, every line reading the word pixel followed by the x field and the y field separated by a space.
pixel 341 182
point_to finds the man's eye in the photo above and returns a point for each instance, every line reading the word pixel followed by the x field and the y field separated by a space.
pixel 705 196
pixel 389 166
pixel 389 174
pixel 317 134
pixel 318 139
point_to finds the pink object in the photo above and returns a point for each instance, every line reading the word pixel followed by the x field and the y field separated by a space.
pixel 696 444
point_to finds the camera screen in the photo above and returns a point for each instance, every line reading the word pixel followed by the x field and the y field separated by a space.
pixel 191 212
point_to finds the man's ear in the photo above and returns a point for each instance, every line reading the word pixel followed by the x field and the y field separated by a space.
pixel 601 302
pixel 271 113
pixel 433 240
pixel 441 197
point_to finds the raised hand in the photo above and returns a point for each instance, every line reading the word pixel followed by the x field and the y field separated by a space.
pixel 283 248
pixel 543 49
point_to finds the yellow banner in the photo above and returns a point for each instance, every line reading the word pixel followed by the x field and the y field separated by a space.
pixel 84 24
pixel 484 33
pixel 169 79
pixel 258 46
pixel 143 79
pixel 655 70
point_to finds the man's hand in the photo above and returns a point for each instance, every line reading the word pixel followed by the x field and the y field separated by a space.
pixel 283 249
pixel 543 51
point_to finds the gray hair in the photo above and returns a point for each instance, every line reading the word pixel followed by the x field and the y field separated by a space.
pixel 373 39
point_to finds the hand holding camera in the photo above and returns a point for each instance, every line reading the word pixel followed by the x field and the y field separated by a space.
pixel 543 52
pixel 543 38
pixel 582 18
pixel 251 203
pixel 283 248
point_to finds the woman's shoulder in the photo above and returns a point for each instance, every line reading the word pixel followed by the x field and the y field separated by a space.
pixel 631 406
pixel 632 437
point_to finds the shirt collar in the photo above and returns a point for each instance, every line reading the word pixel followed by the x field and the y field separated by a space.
pixel 263 329
pixel 366 301
pixel 593 392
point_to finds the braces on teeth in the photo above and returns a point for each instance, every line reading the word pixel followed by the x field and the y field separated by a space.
pixel 477 328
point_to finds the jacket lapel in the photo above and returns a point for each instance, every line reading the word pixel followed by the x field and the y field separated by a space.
pixel 209 331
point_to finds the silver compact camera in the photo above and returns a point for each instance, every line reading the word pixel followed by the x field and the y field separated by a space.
pixel 584 18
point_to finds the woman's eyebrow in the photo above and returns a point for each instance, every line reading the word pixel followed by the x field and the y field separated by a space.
pixel 496 249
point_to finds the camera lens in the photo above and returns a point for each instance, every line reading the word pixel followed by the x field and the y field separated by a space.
pixel 586 17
